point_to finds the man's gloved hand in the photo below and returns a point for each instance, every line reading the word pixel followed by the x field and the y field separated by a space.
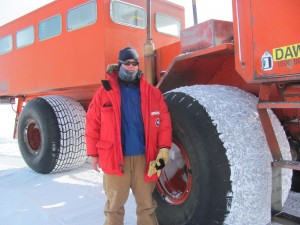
pixel 162 154
pixel 152 169
pixel 160 162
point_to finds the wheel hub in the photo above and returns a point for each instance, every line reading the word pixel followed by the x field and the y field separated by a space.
pixel 174 184
pixel 33 137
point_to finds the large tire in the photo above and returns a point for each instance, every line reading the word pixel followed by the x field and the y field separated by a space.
pixel 295 146
pixel 220 165
pixel 51 134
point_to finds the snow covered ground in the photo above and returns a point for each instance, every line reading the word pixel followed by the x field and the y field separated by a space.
pixel 70 198
pixel 75 197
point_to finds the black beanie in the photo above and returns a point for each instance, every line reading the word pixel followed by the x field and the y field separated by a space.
pixel 127 53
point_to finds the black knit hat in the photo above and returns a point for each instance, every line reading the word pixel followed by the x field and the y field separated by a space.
pixel 127 53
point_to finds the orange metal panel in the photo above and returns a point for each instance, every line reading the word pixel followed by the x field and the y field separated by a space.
pixel 207 34
pixel 164 57
pixel 266 39
pixel 214 65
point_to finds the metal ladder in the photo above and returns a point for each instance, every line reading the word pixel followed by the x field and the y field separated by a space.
pixel 278 163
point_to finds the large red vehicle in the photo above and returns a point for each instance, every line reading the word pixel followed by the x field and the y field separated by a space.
pixel 220 80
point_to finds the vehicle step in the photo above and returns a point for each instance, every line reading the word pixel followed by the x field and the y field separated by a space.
pixel 285 219
pixel 7 100
pixel 294 165
pixel 278 105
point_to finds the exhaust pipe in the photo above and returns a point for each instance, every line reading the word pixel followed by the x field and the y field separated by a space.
pixel 195 12
pixel 149 49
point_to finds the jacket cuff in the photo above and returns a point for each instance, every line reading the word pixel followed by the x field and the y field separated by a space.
pixel 164 146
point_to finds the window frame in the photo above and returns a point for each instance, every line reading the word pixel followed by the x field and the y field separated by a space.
pixel 29 43
pixel 11 44
pixel 172 17
pixel 49 37
pixel 127 24
pixel 86 25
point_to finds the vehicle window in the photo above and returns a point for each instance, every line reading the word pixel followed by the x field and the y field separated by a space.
pixel 25 37
pixel 167 25
pixel 50 27
pixel 6 44
pixel 82 16
pixel 128 14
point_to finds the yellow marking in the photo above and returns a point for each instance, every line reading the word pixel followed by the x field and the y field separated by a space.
pixel 286 52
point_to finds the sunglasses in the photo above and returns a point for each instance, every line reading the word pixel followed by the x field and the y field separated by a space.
pixel 127 63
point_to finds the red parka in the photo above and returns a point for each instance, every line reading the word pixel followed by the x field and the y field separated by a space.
pixel 103 124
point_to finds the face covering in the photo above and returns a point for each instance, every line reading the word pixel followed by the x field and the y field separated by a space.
pixel 126 75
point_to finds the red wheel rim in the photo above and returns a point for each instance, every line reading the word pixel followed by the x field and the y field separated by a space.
pixel 33 137
pixel 175 182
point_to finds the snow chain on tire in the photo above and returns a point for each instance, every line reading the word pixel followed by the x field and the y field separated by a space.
pixel 226 175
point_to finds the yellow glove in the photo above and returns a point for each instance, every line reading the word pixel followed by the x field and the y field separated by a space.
pixel 160 162
pixel 163 154
pixel 152 169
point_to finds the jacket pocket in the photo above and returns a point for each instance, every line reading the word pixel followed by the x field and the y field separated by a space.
pixel 106 154
pixel 107 132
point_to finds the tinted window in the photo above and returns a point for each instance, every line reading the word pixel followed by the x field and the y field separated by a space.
pixel 25 37
pixel 5 44
pixel 128 14
pixel 82 16
pixel 167 25
pixel 50 27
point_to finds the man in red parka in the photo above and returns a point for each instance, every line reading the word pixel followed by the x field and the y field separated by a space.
pixel 128 136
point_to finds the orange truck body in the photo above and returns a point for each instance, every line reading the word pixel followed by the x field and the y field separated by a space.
pixel 267 48
pixel 73 63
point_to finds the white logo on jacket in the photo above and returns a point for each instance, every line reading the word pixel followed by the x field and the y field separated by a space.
pixel 157 121
pixel 155 113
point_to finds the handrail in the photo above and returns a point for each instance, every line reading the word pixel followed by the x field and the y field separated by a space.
pixel 238 30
